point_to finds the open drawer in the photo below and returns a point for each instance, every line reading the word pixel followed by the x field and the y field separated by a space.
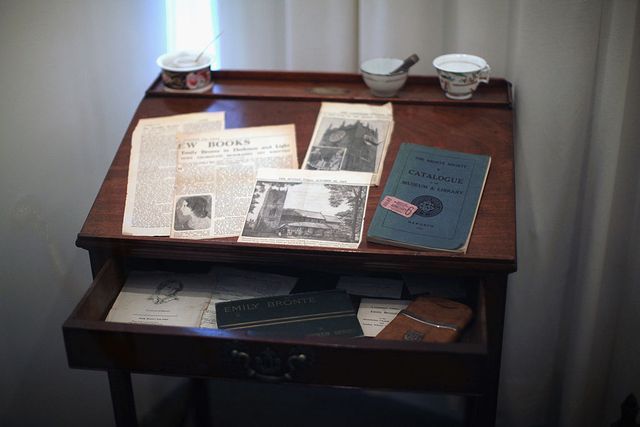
pixel 93 343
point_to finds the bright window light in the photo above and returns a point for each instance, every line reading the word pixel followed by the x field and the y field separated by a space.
pixel 191 25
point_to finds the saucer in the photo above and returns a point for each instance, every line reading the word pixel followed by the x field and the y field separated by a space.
pixel 201 90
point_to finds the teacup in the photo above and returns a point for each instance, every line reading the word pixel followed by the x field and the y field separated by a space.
pixel 460 74
pixel 185 71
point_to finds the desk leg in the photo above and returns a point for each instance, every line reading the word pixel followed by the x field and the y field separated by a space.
pixel 200 399
pixel 481 410
pixel 124 408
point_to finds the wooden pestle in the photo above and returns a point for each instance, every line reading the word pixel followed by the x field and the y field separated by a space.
pixel 406 64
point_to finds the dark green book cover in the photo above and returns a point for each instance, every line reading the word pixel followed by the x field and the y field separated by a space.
pixel 324 313
pixel 445 186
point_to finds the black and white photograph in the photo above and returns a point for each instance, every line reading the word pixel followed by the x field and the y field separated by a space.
pixel 326 158
pixel 306 213
pixel 192 213
pixel 350 137
pixel 350 145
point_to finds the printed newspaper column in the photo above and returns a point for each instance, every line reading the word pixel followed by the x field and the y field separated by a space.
pixel 152 170
pixel 215 176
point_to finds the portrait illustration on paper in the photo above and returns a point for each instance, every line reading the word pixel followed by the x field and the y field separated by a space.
pixel 167 290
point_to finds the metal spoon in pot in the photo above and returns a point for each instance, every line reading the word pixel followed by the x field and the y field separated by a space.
pixel 207 46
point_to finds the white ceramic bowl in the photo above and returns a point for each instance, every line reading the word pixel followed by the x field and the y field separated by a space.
pixel 376 73
pixel 181 71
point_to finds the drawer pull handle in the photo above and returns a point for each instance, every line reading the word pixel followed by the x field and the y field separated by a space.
pixel 293 362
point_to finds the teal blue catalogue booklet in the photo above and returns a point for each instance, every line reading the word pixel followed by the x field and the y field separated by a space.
pixel 430 199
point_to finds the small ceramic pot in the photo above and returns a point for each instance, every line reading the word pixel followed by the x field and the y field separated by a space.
pixel 377 75
pixel 181 71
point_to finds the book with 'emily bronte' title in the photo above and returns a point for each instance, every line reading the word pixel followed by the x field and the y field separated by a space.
pixel 323 313
pixel 443 189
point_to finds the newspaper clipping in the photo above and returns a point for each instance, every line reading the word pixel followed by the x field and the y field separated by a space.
pixel 308 208
pixel 215 176
pixel 351 137
pixel 152 168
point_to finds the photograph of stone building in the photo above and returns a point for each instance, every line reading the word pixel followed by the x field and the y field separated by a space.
pixel 349 145
pixel 301 223
pixel 306 211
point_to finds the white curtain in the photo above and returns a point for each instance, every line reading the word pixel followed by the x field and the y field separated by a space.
pixel 571 348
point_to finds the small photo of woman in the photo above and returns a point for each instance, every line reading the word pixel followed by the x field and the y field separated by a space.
pixel 193 213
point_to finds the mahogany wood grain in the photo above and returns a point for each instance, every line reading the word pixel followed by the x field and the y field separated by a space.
pixel 124 409
pixel 93 343
pixel 484 130
pixel 452 369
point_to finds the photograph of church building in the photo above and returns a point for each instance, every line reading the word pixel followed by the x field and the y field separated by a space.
pixel 301 223
pixel 350 145
pixel 274 214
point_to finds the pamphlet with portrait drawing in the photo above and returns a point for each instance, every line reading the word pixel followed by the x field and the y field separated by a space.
pixel 188 300
pixel 162 298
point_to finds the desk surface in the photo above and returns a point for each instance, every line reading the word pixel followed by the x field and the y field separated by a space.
pixel 422 115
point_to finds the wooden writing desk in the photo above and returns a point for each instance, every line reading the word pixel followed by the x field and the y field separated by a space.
pixel 422 116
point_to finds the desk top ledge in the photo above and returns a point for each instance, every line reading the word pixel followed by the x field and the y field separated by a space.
pixel 335 87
